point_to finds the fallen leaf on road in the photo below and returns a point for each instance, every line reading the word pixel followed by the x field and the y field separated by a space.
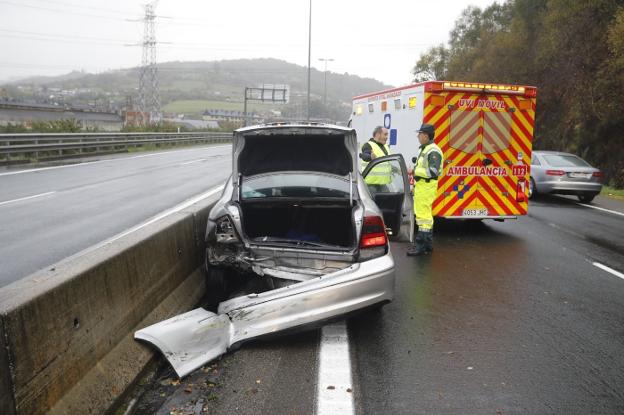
pixel 258 381
pixel 188 389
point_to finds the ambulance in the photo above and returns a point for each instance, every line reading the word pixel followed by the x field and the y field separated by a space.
pixel 485 132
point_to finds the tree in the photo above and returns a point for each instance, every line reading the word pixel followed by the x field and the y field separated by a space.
pixel 432 65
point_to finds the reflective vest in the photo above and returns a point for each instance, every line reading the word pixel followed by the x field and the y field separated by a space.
pixel 382 173
pixel 421 169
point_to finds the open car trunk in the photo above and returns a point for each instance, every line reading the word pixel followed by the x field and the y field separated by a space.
pixel 317 225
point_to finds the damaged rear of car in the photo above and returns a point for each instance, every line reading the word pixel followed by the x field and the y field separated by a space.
pixel 298 230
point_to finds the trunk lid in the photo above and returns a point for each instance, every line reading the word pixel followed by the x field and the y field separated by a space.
pixel 275 148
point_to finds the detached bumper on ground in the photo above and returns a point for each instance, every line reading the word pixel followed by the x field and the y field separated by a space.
pixel 192 339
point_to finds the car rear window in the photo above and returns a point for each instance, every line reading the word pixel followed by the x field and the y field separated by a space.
pixel 558 160
pixel 295 185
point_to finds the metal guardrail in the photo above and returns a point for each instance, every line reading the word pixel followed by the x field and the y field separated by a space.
pixel 56 146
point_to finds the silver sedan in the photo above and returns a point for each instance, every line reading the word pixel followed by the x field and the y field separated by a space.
pixel 554 172
pixel 298 225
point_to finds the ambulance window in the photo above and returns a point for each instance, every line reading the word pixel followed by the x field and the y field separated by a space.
pixel 397 104
pixel 496 131
pixel 384 105
pixel 412 102
pixel 464 131
pixel 371 108
pixel 358 110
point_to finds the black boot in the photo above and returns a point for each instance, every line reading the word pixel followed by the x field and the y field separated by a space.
pixel 429 242
pixel 420 245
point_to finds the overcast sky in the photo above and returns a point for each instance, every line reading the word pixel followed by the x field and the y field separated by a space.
pixel 380 39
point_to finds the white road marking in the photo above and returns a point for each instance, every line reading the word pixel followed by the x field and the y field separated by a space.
pixel 26 198
pixel 192 161
pixel 603 209
pixel 11 173
pixel 610 270
pixel 335 388
pixel 162 215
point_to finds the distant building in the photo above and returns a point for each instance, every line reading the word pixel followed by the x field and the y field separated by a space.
pixel 193 124
pixel 27 114
pixel 135 118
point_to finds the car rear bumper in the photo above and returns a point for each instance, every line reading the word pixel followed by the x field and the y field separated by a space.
pixel 191 339
pixel 322 298
pixel 565 187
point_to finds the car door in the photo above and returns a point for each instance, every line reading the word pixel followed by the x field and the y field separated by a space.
pixel 394 199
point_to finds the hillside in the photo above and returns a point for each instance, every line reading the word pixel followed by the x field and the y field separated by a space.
pixel 222 81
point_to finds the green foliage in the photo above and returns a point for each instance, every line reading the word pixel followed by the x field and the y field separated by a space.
pixel 13 129
pixel 59 126
pixel 162 127
pixel 573 51
pixel 432 65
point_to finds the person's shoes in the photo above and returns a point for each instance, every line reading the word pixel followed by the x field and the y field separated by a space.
pixel 429 242
pixel 423 244
pixel 417 250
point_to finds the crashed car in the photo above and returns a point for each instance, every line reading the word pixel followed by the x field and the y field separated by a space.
pixel 297 221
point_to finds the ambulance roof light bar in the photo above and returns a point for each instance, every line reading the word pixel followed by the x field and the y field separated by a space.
pixel 491 88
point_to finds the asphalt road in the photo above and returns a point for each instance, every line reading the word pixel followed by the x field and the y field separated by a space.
pixel 503 318
pixel 48 214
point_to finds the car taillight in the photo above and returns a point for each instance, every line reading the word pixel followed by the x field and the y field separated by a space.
pixel 373 232
pixel 598 174
pixel 555 172
pixel 225 231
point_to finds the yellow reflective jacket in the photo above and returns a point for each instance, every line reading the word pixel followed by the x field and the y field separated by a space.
pixel 381 174
pixel 421 169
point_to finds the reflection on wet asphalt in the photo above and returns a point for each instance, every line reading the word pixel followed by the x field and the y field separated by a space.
pixel 502 318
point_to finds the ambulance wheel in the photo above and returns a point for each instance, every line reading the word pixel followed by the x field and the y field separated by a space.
pixel 532 189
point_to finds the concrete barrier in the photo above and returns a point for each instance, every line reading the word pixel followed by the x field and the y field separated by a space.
pixel 66 331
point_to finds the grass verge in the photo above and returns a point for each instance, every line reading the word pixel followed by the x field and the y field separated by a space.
pixel 612 192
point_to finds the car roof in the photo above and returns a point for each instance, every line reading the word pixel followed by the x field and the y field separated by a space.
pixel 547 152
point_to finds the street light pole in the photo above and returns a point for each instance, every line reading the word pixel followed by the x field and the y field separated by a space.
pixel 309 55
pixel 325 82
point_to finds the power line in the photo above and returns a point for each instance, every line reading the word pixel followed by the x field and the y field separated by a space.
pixel 62 11
pixel 61 36
pixel 124 13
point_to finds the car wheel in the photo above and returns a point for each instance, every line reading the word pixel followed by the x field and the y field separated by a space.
pixel 218 284
pixel 532 189
pixel 586 198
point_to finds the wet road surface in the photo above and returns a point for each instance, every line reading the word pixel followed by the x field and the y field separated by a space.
pixel 48 214
pixel 503 318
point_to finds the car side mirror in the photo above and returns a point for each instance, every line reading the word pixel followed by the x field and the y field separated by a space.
pixel 414 159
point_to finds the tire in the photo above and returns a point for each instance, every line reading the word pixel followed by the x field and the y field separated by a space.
pixel 216 277
pixel 218 285
pixel 586 198
pixel 532 189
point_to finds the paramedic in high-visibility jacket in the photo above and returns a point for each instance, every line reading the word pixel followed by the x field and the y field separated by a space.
pixel 426 171
pixel 379 176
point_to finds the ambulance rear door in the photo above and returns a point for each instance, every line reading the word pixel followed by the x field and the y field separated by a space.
pixel 461 153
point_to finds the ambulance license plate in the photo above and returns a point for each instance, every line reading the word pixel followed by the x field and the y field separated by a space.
pixel 475 212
